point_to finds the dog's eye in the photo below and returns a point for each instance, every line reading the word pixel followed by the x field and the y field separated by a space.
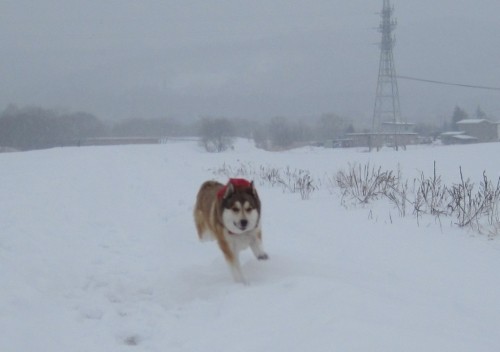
pixel 249 209
pixel 235 209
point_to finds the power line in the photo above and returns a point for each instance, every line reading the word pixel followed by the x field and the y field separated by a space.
pixel 448 83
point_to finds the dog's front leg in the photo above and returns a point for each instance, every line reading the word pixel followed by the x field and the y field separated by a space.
pixel 233 261
pixel 258 250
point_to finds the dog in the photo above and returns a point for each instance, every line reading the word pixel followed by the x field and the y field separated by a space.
pixel 230 214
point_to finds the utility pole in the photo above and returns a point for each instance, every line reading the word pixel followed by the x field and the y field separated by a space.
pixel 387 110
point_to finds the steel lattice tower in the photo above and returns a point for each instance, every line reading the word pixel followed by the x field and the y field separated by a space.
pixel 387 110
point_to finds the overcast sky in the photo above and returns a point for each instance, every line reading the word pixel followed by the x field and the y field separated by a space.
pixel 186 59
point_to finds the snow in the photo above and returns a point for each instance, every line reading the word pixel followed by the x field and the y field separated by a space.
pixel 464 137
pixel 472 121
pixel 98 252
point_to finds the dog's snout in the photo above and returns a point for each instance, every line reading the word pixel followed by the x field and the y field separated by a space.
pixel 244 223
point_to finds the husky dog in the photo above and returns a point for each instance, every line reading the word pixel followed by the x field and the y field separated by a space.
pixel 230 214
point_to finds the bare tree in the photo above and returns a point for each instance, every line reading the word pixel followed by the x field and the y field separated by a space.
pixel 458 115
pixel 35 128
pixel 216 134
pixel 330 126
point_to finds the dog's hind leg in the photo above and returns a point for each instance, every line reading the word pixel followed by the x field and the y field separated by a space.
pixel 235 268
pixel 232 261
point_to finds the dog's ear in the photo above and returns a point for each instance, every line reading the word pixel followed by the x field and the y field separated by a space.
pixel 229 190
pixel 254 190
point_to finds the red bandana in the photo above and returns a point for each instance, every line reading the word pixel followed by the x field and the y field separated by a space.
pixel 237 183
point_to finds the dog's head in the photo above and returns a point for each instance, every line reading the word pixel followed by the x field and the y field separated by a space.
pixel 240 206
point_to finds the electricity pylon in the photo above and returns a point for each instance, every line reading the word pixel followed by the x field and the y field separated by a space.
pixel 387 109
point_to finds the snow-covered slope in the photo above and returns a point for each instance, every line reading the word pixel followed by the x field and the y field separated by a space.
pixel 98 252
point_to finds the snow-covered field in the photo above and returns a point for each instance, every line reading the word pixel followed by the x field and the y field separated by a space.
pixel 98 252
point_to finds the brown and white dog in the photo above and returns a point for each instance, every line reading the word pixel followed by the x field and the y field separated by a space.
pixel 230 214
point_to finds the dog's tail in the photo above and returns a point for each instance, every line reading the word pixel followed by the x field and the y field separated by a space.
pixel 203 232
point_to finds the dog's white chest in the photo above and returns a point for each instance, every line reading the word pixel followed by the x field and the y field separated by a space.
pixel 239 242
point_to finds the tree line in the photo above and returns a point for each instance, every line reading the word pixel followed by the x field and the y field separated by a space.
pixel 38 128
pixel 29 128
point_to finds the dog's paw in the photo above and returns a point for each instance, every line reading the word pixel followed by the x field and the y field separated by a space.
pixel 263 256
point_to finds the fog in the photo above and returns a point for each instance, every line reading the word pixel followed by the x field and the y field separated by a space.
pixel 255 59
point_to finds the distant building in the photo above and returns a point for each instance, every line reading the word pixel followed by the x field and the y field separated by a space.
pixel 119 141
pixel 334 143
pixel 473 131
pixel 392 134
pixel 484 130
pixel 457 137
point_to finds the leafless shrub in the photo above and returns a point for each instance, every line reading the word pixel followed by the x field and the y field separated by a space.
pixel 290 180
pixel 494 229
pixel 478 209
pixel 398 195
pixel 471 207
pixel 491 193
pixel 431 196
pixel 365 183
pixel 297 181
pixel 306 186
pixel 270 175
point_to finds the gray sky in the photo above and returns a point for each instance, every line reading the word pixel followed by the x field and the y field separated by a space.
pixel 185 59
